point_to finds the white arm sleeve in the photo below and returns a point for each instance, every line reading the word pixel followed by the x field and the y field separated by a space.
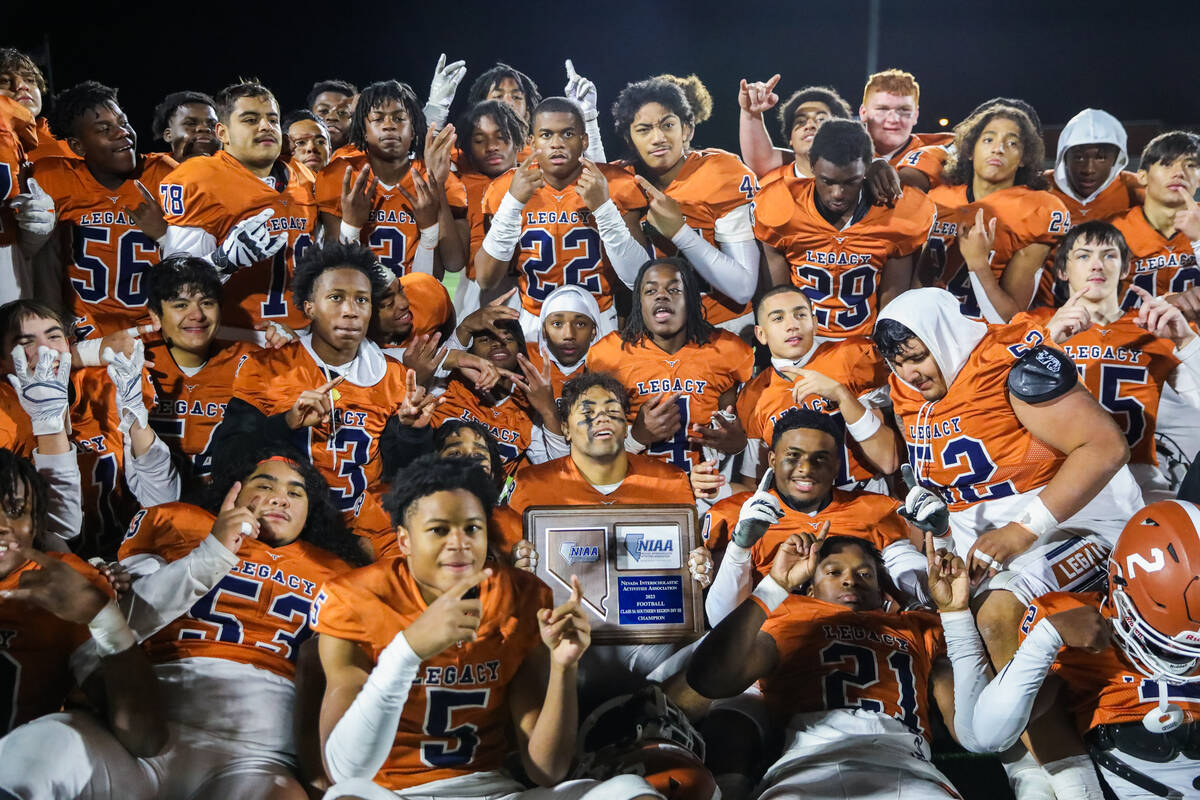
pixel 502 238
pixel 752 458
pixel 180 240
pixel 989 312
pixel 1186 377
pixel 65 514
pixel 546 446
pixel 624 253
pixel 151 477
pixel 595 148
pixel 971 668
pixel 732 270
pixel 1004 706
pixel 426 247
pixel 730 586
pixel 363 737
pixel 908 568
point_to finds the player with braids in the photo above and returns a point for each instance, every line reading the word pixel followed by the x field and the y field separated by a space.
pixel 696 327
pixel 508 85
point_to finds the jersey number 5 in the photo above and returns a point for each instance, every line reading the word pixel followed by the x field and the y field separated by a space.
pixel 440 705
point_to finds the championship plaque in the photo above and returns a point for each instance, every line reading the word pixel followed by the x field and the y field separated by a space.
pixel 632 561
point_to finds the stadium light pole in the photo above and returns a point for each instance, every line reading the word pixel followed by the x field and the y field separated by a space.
pixel 872 36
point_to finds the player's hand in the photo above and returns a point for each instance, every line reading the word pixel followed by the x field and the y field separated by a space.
pixel 248 243
pixel 451 619
pixel 663 213
pixel 582 91
pixel 994 549
pixel 43 390
pixel 796 560
pixel 592 186
pixel 117 576
pixel 525 556
pixel 425 201
pixel 538 387
pixel 1083 627
pixel 446 78
pixel 123 341
pixel 55 586
pixel 1188 301
pixel 883 181
pixel 34 210
pixel 1071 318
pixel 438 147
pixel 358 196
pixel 275 334
pixel 760 511
pixel 1162 319
pixel 234 523
pixel 658 419
pixel 723 434
pixel 423 356
pixel 975 243
pixel 481 372
pixel 700 565
pixel 757 97
pixel 148 214
pixel 527 179
pixel 416 410
pixel 125 371
pixel 807 382
pixel 312 407
pixel 949 581
pixel 566 630
pixel 923 507
pixel 484 318
pixel 1187 219
pixel 706 480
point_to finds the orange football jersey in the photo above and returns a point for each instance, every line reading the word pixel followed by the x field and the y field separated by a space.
pixel 391 230
pixel 256 615
pixel 970 443
pixel 456 719
pixel 916 142
pixel 1024 217
pixel 428 301
pixel 187 408
pixel 711 184
pixel 1157 264
pixel 560 243
pixel 854 362
pixel 218 192
pixel 1124 368
pixel 475 184
pixel 18 136
pixel 109 252
pixel 36 648
pixel 48 145
pixel 700 373
pixel 374 525
pixel 345 450
pixel 508 420
pixel 832 657
pixel 1103 688
pixel 866 515
pixel 16 430
pixel 929 160
pixel 840 270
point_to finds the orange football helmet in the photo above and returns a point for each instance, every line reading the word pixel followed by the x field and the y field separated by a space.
pixel 1154 590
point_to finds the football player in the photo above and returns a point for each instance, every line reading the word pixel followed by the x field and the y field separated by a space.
pixel 309 139
pixel 330 101
pixel 103 199
pixel 995 226
pixel 700 201
pixel 1124 357
pixel 508 85
pixel 187 122
pixel 1123 660
pixel 561 219
pixel 18 137
pixel 797 495
pixel 416 647
pixel 567 328
pixel 853 682
pixel 682 373
pixel 799 117
pixel 393 196
pixel 826 235
pixel 21 80
pixel 245 210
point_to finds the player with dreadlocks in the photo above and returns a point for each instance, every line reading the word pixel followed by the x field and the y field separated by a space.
pixel 508 85
pixel 682 373
pixel 392 195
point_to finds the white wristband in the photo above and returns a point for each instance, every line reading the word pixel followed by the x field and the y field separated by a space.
pixel 110 631
pixel 501 239
pixel 1037 518
pixel 771 593
pixel 89 352
pixel 1196 246
pixel 429 237
pixel 348 233
pixel 865 427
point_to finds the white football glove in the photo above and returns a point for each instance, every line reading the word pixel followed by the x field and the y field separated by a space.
pixel 700 564
pixel 923 507
pixel 525 556
pixel 34 210
pixel 760 511
pixel 446 78
pixel 126 374
pixel 43 391
pixel 249 242
pixel 582 91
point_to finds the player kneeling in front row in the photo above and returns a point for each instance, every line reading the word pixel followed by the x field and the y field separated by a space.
pixel 430 659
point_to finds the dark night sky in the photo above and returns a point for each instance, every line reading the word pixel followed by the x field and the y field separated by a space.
pixel 1059 56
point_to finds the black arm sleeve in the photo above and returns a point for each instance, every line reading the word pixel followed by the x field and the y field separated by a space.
pixel 1041 375
pixel 244 428
pixel 399 445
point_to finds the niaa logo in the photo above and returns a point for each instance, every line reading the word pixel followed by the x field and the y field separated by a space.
pixel 638 545
pixel 574 554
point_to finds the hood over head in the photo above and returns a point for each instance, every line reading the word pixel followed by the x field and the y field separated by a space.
pixel 934 316
pixel 567 298
pixel 1090 126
